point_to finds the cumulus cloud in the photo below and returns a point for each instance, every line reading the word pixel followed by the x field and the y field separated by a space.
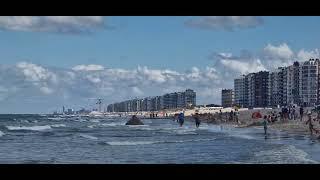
pixel 282 51
pixel 91 67
pixel 72 87
pixel 55 24
pixel 269 58
pixel 228 23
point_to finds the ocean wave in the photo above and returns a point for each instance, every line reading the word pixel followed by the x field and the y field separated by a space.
pixel 91 126
pixel 137 126
pixel 29 128
pixel 129 143
pixel 229 130
pixel 94 121
pixel 134 143
pixel 56 119
pixel 58 125
pixel 113 124
pixel 287 154
pixel 1 133
pixel 88 136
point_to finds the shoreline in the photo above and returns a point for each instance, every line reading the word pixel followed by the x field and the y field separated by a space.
pixel 290 126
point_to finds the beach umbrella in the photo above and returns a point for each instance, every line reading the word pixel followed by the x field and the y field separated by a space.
pixel 256 115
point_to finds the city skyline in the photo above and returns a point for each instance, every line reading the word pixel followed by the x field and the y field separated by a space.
pixel 47 62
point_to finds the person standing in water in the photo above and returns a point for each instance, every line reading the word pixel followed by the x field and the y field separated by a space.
pixel 197 119
pixel 181 119
pixel 265 125
pixel 301 113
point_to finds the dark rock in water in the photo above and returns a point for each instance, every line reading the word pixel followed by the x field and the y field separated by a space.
pixel 134 121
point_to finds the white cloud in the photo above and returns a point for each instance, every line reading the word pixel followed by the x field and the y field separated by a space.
pixel 56 24
pixel 36 73
pixel 282 52
pixel 242 66
pixel 228 23
pixel 91 67
pixel 46 90
pixel 305 55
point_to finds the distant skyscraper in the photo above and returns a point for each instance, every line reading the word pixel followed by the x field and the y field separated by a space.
pixel 168 101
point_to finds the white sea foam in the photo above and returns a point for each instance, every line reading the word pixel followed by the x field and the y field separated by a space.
pixel 134 143
pixel 137 126
pixel 113 124
pixel 95 121
pixel 91 126
pixel 58 125
pixel 88 136
pixel 286 154
pixel 229 130
pixel 81 120
pixel 130 143
pixel 56 119
pixel 30 128
pixel 1 133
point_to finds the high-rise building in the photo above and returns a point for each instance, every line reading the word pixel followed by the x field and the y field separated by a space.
pixel 261 82
pixel 227 97
pixel 250 88
pixel 293 81
pixel 309 82
pixel 190 98
pixel 240 91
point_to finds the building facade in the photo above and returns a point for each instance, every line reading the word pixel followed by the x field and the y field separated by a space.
pixel 174 100
pixel 297 84
pixel 309 83
pixel 227 97
pixel 240 98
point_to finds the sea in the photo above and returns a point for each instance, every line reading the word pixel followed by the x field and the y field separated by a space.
pixel 44 139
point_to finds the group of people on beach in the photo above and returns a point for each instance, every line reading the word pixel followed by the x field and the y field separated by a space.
pixel 290 114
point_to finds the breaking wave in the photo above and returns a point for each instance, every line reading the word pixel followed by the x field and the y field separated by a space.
pixel 134 143
pixel 88 136
pixel 58 125
pixel 30 128
pixel 288 154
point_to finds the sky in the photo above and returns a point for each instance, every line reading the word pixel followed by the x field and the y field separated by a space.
pixel 50 61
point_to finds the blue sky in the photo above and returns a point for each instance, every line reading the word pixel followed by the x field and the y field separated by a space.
pixel 158 43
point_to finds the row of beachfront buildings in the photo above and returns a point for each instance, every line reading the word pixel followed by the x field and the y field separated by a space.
pixel 297 84
pixel 186 99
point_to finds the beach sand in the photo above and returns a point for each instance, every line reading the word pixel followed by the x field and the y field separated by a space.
pixel 291 126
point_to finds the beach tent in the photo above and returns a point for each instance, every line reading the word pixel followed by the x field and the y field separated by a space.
pixel 256 115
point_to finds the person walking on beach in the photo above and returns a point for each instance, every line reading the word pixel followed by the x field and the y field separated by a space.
pixel 309 122
pixel 265 123
pixel 301 113
pixel 197 119
pixel 236 115
pixel 181 119
pixel 294 113
pixel 231 116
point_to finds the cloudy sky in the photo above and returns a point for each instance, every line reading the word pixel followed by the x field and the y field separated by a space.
pixel 50 61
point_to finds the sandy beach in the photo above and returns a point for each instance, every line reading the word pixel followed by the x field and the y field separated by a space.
pixel 245 117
